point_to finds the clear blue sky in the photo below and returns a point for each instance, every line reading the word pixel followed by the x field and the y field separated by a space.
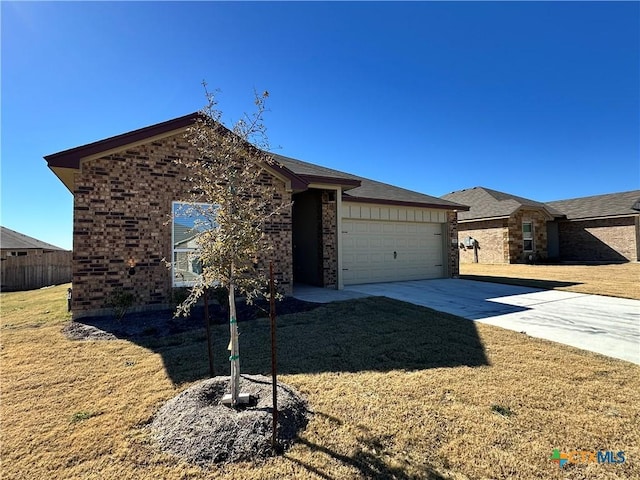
pixel 539 99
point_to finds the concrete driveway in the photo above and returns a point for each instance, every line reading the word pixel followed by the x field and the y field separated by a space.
pixel 606 325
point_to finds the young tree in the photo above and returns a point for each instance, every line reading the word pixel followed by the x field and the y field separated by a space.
pixel 234 202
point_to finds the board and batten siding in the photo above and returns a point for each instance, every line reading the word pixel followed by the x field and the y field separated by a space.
pixel 363 211
pixel 385 243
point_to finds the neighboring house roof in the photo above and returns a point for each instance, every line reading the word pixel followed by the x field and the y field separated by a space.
pixel 599 206
pixel 12 240
pixel 488 204
pixel 183 234
pixel 300 174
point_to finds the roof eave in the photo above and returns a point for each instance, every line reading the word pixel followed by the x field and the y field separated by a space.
pixel 404 203
pixel 71 158
pixel 483 219
pixel 65 175
pixel 602 217
pixel 296 183
pixel 345 183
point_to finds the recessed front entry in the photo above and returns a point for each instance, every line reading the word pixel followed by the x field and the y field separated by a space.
pixel 307 237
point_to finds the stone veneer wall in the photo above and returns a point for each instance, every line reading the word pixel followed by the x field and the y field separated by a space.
pixel 329 239
pixel 122 208
pixel 610 239
pixel 516 244
pixel 493 241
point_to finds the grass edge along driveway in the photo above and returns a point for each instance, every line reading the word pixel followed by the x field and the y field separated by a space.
pixel 398 391
pixel 615 280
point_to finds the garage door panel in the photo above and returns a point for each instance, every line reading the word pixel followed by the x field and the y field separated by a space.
pixel 369 246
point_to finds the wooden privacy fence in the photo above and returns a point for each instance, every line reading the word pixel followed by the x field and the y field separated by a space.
pixel 35 271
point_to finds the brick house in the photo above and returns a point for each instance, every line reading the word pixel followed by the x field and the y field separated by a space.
pixel 507 228
pixel 500 227
pixel 603 228
pixel 341 229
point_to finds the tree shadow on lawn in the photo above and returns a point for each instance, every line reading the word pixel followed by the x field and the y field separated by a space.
pixel 368 458
pixel 368 334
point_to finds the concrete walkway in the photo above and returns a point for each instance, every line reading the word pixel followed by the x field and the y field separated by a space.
pixel 606 325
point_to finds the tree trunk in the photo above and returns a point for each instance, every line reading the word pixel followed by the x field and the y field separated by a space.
pixel 234 358
pixel 208 325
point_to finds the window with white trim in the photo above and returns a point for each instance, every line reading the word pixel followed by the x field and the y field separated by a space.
pixel 189 220
pixel 527 236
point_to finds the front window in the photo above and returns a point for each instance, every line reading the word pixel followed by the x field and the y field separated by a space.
pixel 190 220
pixel 527 236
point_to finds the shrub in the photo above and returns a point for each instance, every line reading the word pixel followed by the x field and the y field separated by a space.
pixel 120 301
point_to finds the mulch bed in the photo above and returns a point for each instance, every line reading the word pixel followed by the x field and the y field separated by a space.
pixel 198 428
pixel 158 324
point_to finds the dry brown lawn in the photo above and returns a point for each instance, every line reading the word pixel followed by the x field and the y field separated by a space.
pixel 616 280
pixel 398 391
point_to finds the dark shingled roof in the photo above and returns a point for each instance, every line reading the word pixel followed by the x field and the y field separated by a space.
pixel 10 239
pixel 300 173
pixel 598 206
pixel 363 189
pixel 486 203
pixel 305 168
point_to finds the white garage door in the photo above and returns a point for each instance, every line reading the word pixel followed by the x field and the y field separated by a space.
pixel 387 251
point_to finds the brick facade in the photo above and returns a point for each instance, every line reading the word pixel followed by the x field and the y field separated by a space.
pixel 122 208
pixel 329 239
pixel 493 241
pixel 609 239
pixel 501 240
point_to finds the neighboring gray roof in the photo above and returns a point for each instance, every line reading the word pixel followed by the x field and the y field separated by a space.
pixel 366 190
pixel 598 206
pixel 10 239
pixel 486 203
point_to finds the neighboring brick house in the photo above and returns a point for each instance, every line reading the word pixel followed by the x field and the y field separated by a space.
pixel 507 228
pixel 500 227
pixel 341 229
pixel 602 228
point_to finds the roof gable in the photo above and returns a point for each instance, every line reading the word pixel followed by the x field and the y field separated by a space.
pixel 599 206
pixel 64 164
pixel 71 158
pixel 486 203
pixel 10 239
